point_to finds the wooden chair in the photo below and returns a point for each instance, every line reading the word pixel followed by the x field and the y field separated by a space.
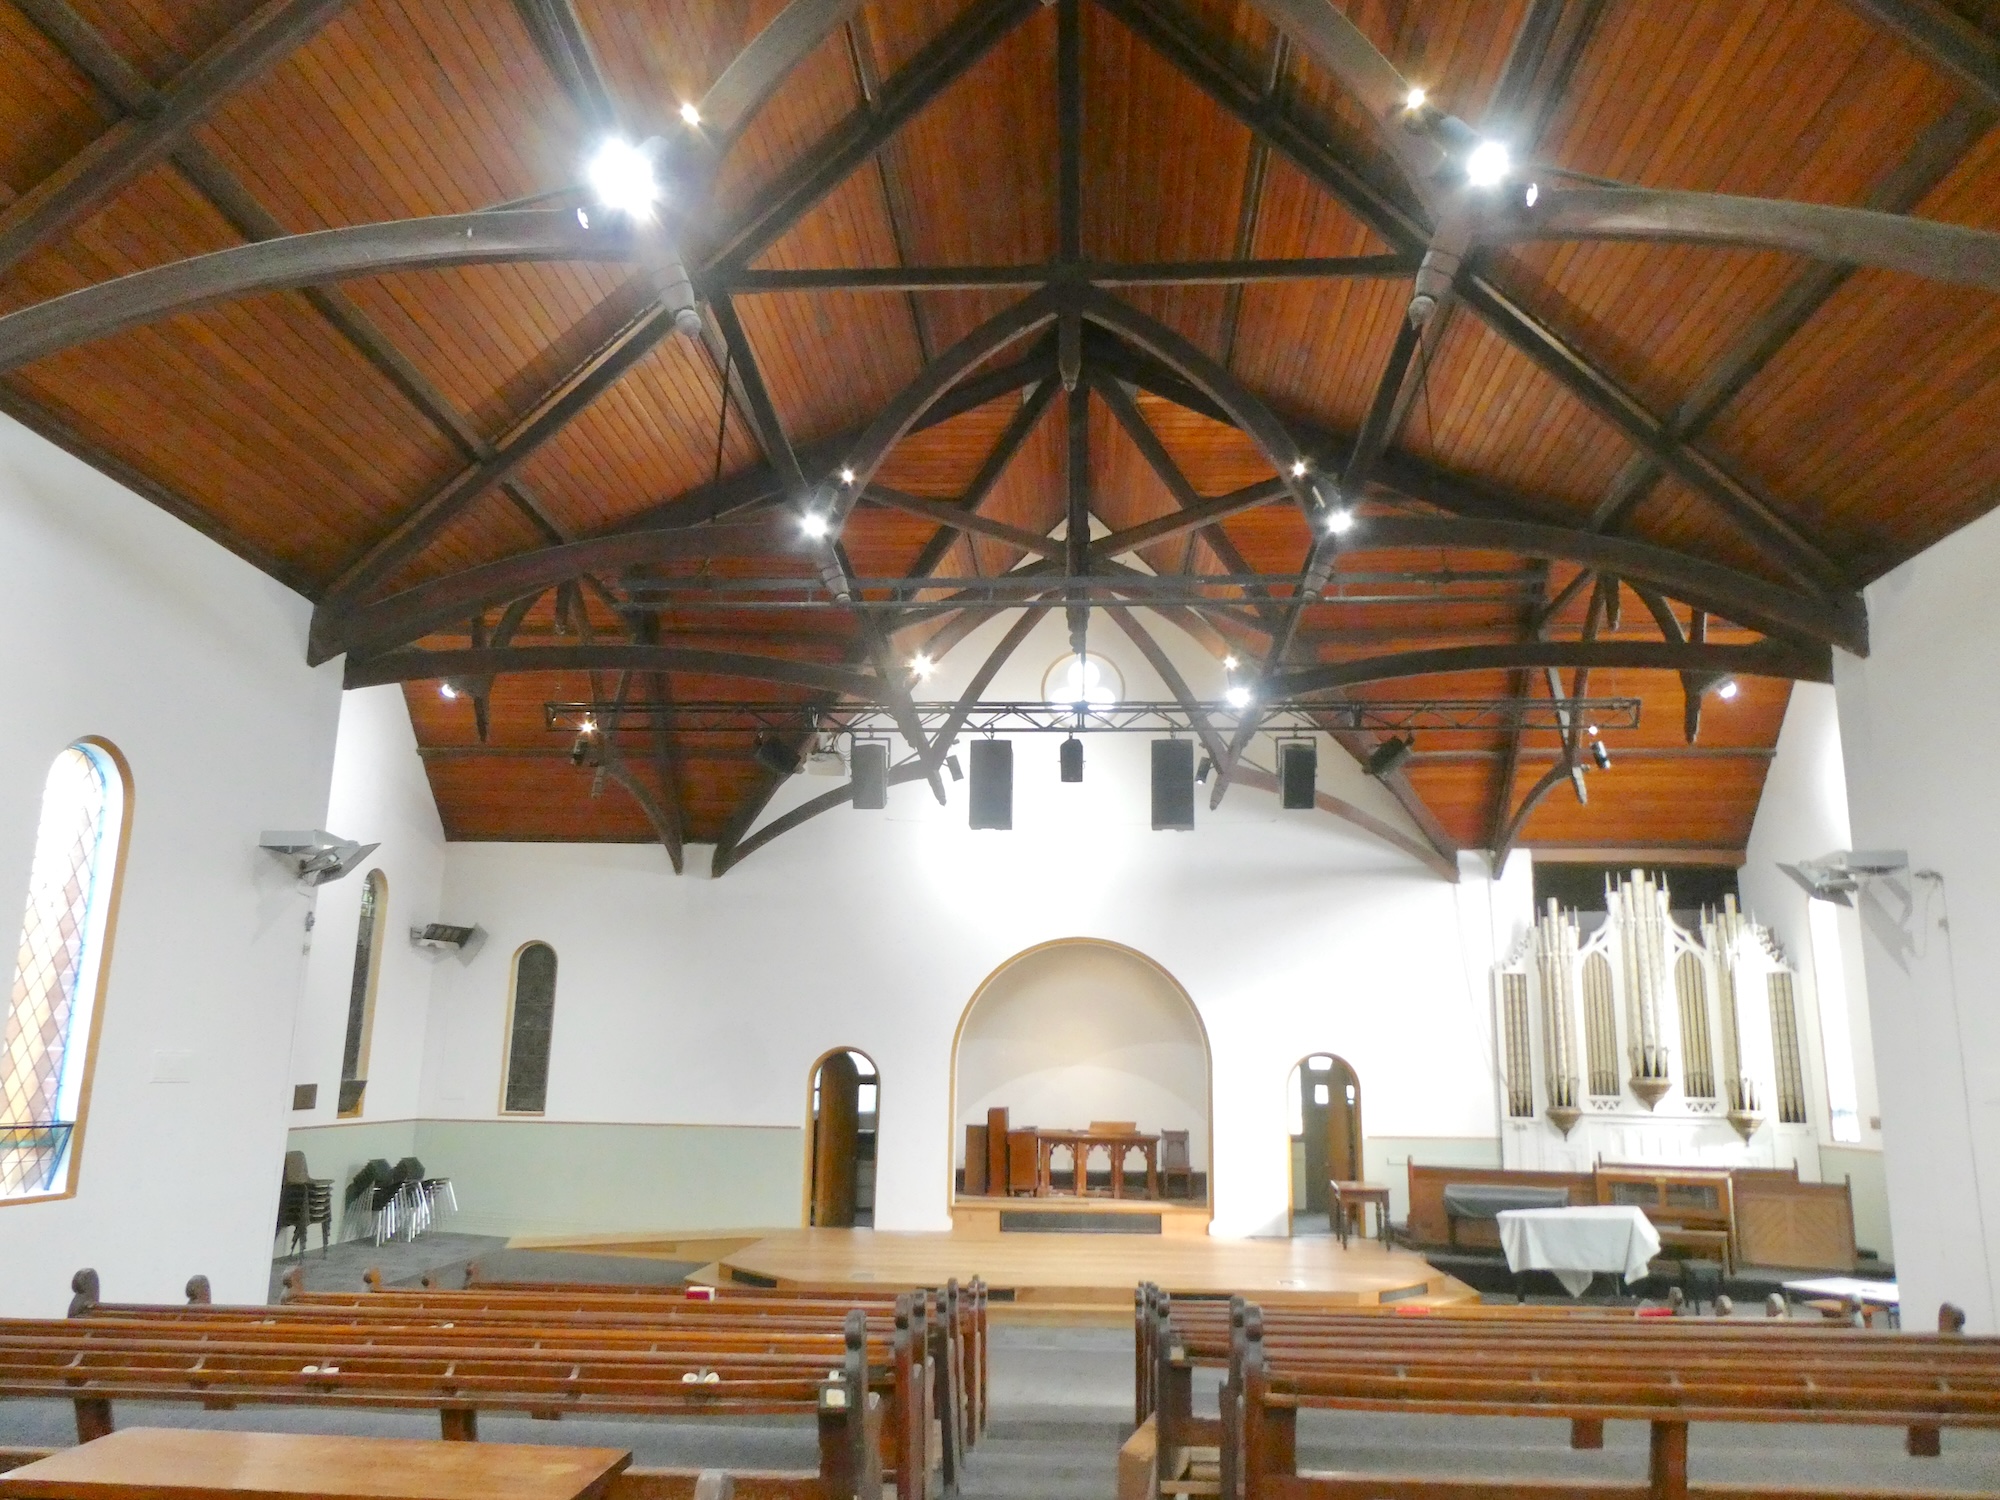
pixel 1176 1159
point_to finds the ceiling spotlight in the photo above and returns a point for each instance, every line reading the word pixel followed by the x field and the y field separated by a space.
pixel 922 665
pixel 1593 731
pixel 1727 690
pixel 1533 192
pixel 1488 164
pixel 446 690
pixel 1237 696
pixel 1339 521
pixel 1388 757
pixel 621 174
pixel 1601 753
pixel 583 218
pixel 690 115
pixel 957 771
pixel 813 524
pixel 588 726
pixel 1415 99
pixel 1298 468
pixel 1202 771
pixel 1229 664
pixel 583 749
pixel 846 475
pixel 775 756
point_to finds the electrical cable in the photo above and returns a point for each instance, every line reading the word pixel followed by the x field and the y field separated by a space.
pixel 1935 879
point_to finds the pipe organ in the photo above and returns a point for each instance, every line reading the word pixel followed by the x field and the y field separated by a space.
pixel 1626 1037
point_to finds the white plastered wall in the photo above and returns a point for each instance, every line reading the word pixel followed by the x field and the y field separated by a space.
pixel 1919 720
pixel 1803 815
pixel 700 1001
pixel 127 624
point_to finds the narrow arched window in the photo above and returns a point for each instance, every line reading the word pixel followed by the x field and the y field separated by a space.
pixel 59 967
pixel 531 1021
pixel 361 993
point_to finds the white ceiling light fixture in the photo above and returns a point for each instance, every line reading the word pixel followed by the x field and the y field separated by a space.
pixel 922 666
pixel 846 475
pixel 1298 468
pixel 1488 164
pixel 621 174
pixel 1340 521
pixel 1727 690
pixel 1236 695
pixel 1416 98
pixel 814 525
pixel 446 690
pixel 690 116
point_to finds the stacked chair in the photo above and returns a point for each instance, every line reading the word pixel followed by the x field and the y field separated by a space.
pixel 303 1201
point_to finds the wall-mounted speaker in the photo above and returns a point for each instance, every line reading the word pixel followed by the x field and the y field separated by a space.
pixel 993 784
pixel 1173 785
pixel 869 768
pixel 1298 773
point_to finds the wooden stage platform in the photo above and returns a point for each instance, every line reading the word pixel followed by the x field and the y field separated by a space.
pixel 1034 1277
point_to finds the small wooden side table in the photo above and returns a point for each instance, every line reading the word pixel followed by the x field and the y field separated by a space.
pixel 1347 1201
pixel 160 1463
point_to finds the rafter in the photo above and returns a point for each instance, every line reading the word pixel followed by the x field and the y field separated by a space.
pixel 1944 38
pixel 91 178
pixel 900 279
pixel 1764 659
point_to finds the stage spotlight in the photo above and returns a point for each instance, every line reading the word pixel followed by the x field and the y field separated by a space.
pixel 583 749
pixel 1202 771
pixel 1388 757
pixel 1601 753
pixel 775 756
pixel 1072 759
pixel 957 771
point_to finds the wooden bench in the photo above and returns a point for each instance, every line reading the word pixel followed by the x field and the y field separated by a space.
pixel 864 1387
pixel 1587 1368
pixel 954 1320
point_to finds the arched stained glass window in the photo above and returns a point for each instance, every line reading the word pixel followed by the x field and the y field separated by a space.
pixel 45 1045
pixel 530 1026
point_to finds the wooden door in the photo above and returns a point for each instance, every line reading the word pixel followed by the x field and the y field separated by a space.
pixel 836 1142
pixel 1330 1110
pixel 1343 1123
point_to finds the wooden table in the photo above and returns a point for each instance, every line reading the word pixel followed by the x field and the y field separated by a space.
pixel 187 1464
pixel 1349 1199
pixel 1082 1142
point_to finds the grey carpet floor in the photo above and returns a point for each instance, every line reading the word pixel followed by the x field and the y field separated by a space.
pixel 1061 1405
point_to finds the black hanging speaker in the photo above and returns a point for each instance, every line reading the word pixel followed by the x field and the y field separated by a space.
pixel 1173 785
pixel 1298 773
pixel 993 784
pixel 1072 759
pixel 870 770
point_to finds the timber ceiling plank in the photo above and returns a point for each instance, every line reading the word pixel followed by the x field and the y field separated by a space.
pixel 48 111
pixel 1796 100
pixel 161 37
pixel 1887 392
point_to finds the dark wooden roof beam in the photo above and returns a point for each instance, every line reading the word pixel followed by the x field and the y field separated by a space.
pixel 1944 38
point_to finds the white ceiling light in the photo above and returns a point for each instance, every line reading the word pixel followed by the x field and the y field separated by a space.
pixel 1727 690
pixel 846 475
pixel 1229 664
pixel 1339 521
pixel 1488 164
pixel 621 174
pixel 1298 468
pixel 446 690
pixel 1237 696
pixel 690 115
pixel 1416 99
pixel 813 524
pixel 922 665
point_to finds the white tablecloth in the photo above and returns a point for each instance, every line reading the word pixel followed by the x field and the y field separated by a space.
pixel 1576 1243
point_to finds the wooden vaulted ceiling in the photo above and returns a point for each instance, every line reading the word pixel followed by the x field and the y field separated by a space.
pixel 1798 424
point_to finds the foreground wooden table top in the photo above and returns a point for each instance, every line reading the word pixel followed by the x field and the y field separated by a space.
pixel 184 1464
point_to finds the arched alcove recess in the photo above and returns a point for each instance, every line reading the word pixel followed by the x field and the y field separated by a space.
pixel 843 1111
pixel 1079 1030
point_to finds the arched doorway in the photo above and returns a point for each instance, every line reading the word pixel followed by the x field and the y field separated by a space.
pixel 1323 1098
pixel 840 1148
pixel 1076 1032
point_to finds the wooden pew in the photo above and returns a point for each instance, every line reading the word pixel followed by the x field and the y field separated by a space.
pixel 232 1356
pixel 1601 1343
pixel 938 1324
pixel 1587 1368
